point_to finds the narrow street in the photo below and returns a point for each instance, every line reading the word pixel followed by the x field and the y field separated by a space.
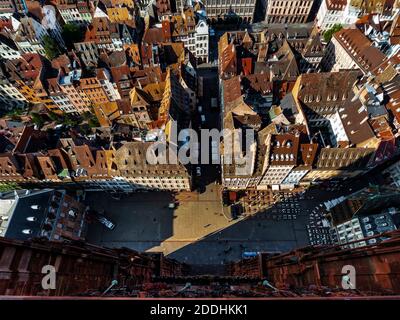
pixel 209 172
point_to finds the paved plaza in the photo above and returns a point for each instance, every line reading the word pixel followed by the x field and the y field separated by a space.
pixel 197 231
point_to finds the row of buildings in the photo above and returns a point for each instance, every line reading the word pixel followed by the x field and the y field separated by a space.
pixel 326 13
pixel 47 213
pixel 319 112
pixel 112 55
pixel 308 125
pixel 117 42
pixel 31 157
pixel 364 217
pixel 131 80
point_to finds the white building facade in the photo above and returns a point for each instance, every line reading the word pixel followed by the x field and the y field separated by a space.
pixel 202 41
pixel 7 51
pixel 73 15
pixel 330 12
pixel 29 36
pixel 10 97
pixel 338 57
pixel 275 176
pixel 350 231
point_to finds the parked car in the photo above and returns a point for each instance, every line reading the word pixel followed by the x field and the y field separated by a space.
pixel 105 221
pixel 198 171
pixel 200 109
pixel 171 205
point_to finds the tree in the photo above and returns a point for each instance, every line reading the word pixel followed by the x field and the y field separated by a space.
pixel 71 121
pixel 71 34
pixel 93 123
pixel 329 33
pixel 9 186
pixel 51 47
pixel 37 119
pixel 15 114
pixel 87 115
pixel 53 116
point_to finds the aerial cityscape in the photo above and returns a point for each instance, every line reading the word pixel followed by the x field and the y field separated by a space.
pixel 197 149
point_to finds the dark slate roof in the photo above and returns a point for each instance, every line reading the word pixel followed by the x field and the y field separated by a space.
pixel 7 41
pixel 23 210
pixel 288 105
pixel 5 144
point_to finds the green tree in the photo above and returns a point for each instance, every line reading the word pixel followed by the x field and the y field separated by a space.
pixel 70 121
pixel 93 122
pixel 9 186
pixel 71 34
pixel 87 115
pixel 51 47
pixel 329 33
pixel 53 116
pixel 37 119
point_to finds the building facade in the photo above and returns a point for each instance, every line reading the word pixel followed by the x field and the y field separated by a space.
pixel 245 9
pixel 288 11
pixel 46 213
pixel 330 12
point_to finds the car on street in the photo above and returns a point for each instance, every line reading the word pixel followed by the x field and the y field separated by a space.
pixel 198 171
pixel 172 205
pixel 105 221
